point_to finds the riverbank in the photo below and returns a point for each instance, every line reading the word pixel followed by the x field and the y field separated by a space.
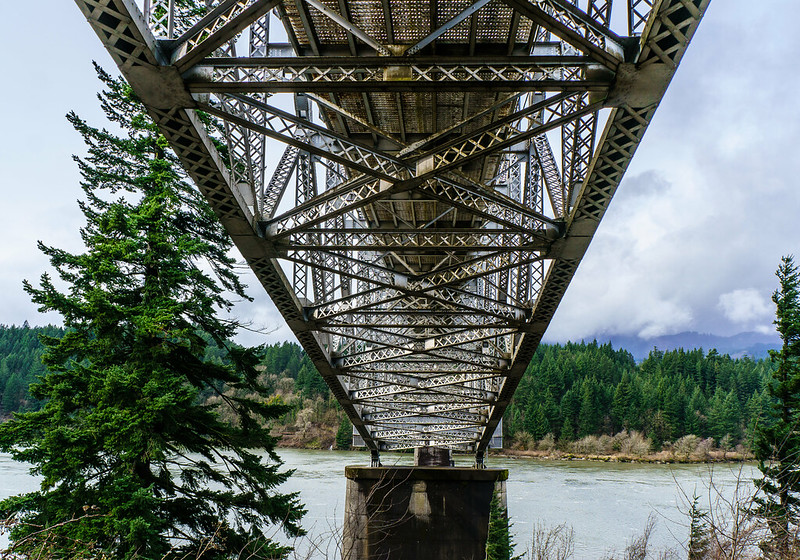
pixel 624 447
pixel 320 442
pixel 661 457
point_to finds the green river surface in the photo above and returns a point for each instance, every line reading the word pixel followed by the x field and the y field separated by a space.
pixel 607 504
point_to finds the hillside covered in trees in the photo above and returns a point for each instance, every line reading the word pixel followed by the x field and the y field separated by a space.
pixel 20 365
pixel 312 421
pixel 579 390
pixel 569 392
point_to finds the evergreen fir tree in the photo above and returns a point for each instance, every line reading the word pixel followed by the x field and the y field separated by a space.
pixel 699 541
pixel 551 413
pixel 570 405
pixel 590 412
pixel 512 421
pixel 621 403
pixel 696 413
pixel 344 435
pixel 718 414
pixel 133 465
pixel 777 443
pixel 499 545
pixel 536 423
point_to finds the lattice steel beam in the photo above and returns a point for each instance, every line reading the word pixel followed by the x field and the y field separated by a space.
pixel 662 45
pixel 487 240
pixel 423 271
pixel 575 27
pixel 333 74
pixel 122 28
pixel 218 27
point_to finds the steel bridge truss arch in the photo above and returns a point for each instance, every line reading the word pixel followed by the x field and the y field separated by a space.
pixel 413 183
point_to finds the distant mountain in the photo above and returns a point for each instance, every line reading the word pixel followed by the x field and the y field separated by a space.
pixel 753 344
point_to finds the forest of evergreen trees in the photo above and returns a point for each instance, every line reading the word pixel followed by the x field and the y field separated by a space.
pixel 20 365
pixel 578 390
pixel 569 391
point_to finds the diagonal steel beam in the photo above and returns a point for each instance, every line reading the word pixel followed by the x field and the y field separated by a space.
pixel 451 23
pixel 315 139
pixel 280 179
pixel 666 38
pixel 121 27
pixel 575 27
pixel 350 27
pixel 504 133
pixel 220 26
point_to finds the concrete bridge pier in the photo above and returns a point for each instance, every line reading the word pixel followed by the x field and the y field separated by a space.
pixel 431 511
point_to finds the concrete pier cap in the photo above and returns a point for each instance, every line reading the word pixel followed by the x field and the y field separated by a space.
pixel 428 511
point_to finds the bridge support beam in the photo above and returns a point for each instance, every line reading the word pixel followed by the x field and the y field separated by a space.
pixel 419 513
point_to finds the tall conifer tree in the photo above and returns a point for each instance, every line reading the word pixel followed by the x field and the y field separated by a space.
pixel 777 443
pixel 133 464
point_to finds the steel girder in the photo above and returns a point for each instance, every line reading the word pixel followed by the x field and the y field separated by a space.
pixel 421 273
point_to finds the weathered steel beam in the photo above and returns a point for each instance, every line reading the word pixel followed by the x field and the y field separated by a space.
pixel 398 86
pixel 415 241
pixel 327 74
pixel 450 24
pixel 576 28
pixel 350 27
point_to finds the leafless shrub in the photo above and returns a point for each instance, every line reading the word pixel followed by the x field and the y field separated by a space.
pixel 46 543
pixel 704 448
pixel 635 444
pixel 285 386
pixel 637 548
pixel 547 443
pixel 605 444
pixel 584 446
pixel 524 441
pixel 742 450
pixel 733 532
pixel 554 543
pixel 686 446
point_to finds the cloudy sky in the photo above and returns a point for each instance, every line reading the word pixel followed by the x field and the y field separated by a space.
pixel 690 242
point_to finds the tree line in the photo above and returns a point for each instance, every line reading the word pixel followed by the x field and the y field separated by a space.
pixel 21 364
pixel 591 389
pixel 571 391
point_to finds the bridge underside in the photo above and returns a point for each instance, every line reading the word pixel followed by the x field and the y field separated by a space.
pixel 414 182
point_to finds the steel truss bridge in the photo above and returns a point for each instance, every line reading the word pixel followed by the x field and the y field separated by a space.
pixel 414 182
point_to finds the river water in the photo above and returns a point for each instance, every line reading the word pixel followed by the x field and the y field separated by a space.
pixel 606 504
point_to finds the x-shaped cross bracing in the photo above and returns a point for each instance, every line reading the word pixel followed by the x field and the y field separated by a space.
pixel 421 273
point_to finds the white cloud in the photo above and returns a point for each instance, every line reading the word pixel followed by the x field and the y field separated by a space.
pixel 764 329
pixel 708 204
pixel 744 306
